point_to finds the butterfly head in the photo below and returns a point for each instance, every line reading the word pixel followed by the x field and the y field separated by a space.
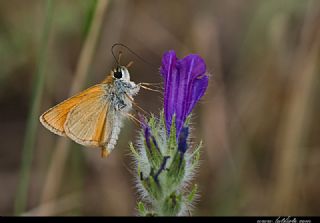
pixel 121 81
pixel 121 73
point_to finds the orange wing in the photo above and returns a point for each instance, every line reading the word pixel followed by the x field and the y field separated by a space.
pixel 87 124
pixel 55 118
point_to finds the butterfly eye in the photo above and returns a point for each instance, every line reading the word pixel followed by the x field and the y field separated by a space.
pixel 117 74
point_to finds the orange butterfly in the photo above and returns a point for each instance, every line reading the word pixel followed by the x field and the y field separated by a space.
pixel 94 116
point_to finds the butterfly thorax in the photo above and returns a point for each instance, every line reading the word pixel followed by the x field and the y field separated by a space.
pixel 119 94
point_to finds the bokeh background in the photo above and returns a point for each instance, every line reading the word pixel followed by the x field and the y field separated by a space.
pixel 259 119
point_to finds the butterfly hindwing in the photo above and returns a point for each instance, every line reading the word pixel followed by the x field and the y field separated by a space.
pixel 88 124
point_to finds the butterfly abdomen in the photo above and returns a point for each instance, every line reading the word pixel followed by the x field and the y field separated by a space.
pixel 114 134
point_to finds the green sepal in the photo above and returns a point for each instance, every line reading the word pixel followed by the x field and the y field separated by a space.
pixel 134 152
pixel 176 171
pixel 172 143
pixel 154 155
pixel 141 209
pixel 162 120
pixel 188 120
pixel 172 205
pixel 192 194
pixel 153 188
pixel 195 156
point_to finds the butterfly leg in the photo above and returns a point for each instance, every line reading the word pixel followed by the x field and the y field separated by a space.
pixel 104 152
pixel 144 86
pixel 135 104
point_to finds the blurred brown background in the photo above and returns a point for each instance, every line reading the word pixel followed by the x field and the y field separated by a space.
pixel 259 119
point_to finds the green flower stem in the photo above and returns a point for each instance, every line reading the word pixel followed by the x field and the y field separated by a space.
pixel 29 140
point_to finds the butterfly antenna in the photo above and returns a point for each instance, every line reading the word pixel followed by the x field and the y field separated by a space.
pixel 114 56
pixel 129 64
pixel 119 57
pixel 131 51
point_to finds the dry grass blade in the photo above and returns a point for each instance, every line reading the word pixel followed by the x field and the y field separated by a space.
pixel 292 130
pixel 60 206
pixel 60 155
pixel 31 129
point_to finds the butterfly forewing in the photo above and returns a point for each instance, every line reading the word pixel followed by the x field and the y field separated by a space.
pixel 55 118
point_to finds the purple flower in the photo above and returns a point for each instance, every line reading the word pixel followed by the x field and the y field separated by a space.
pixel 185 82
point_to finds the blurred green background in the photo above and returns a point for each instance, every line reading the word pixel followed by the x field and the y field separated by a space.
pixel 259 119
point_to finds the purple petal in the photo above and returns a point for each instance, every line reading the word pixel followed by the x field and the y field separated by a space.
pixel 192 68
pixel 185 82
pixel 169 73
pixel 198 89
